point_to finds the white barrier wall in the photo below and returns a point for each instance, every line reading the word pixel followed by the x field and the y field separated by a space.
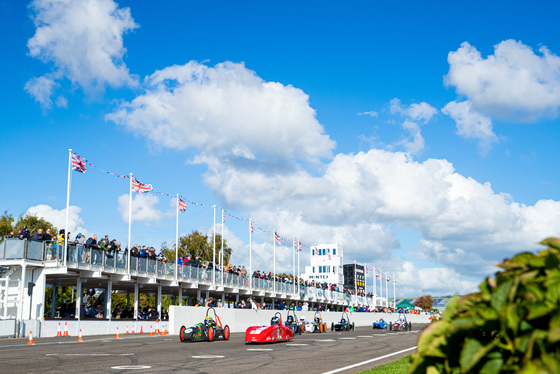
pixel 100 327
pixel 239 319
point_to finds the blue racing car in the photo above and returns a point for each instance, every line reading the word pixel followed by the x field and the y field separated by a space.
pixel 380 324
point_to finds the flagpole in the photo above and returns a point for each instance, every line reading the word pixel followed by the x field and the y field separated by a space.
pixel 67 205
pixel 129 220
pixel 298 260
pixel 381 287
pixel 394 292
pixel 222 249
pixel 274 267
pixel 365 280
pixel 250 256
pixel 293 263
pixel 387 289
pixel 214 250
pixel 177 239
pixel 374 286
pixel 355 280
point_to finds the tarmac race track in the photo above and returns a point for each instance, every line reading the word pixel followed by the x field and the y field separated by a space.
pixel 335 352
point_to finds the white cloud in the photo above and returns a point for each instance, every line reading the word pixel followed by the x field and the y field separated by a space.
pixel 227 110
pixel 42 89
pixel 470 124
pixel 412 281
pixel 83 40
pixel 413 143
pixel 465 225
pixel 514 83
pixel 370 113
pixel 143 208
pixel 416 112
pixel 58 218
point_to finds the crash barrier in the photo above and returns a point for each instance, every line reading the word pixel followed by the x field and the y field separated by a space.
pixel 7 328
pixel 239 320
pixel 99 327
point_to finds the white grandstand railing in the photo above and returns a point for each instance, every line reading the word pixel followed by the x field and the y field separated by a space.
pixel 80 257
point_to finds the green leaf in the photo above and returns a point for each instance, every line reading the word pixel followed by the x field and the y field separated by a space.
pixel 554 329
pixel 499 297
pixel 493 364
pixel 473 351
pixel 551 242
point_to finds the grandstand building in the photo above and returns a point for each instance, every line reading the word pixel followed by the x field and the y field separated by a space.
pixel 33 272
pixel 325 264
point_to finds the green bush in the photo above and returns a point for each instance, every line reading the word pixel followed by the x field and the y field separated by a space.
pixel 511 326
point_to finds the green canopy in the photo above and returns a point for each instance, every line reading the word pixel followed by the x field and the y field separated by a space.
pixel 405 304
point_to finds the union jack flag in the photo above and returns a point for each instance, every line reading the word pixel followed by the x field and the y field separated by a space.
pixel 140 187
pixel 277 238
pixel 223 216
pixel 295 243
pixel 394 279
pixel 78 164
pixel 299 247
pixel 376 274
pixel 317 251
pixel 182 205
pixel 387 277
pixel 251 226
pixel 329 256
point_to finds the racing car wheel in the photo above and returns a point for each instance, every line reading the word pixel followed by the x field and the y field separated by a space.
pixel 325 327
pixel 181 333
pixel 332 326
pixel 226 332
pixel 210 334
pixel 353 326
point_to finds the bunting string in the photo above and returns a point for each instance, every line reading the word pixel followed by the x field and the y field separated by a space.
pixel 89 163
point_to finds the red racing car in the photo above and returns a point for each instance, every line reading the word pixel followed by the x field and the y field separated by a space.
pixel 276 332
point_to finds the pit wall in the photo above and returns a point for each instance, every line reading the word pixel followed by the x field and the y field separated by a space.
pixel 240 319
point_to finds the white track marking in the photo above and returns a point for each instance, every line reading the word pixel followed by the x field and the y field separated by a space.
pixel 368 361
pixel 131 367
pixel 89 354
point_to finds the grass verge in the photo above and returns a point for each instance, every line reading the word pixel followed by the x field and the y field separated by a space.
pixel 398 367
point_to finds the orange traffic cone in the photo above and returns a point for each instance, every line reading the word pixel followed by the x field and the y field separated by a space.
pixel 133 330
pixel 59 333
pixel 126 333
pixel 141 330
pixel 151 331
pixel 30 338
pixel 166 332
pixel 162 331
pixel 157 326
pixel 80 339
pixel 118 336
pixel 65 329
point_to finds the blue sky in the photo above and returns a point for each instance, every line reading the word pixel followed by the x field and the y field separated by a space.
pixel 420 136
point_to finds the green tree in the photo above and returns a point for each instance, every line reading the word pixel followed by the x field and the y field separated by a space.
pixel 34 223
pixel 6 224
pixel 425 302
pixel 198 245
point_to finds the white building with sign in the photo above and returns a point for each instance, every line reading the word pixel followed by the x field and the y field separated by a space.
pixel 325 264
